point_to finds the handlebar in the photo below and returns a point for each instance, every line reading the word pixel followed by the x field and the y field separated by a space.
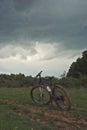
pixel 39 74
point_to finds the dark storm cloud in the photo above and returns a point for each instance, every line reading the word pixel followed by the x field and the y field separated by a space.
pixel 13 19
pixel 56 21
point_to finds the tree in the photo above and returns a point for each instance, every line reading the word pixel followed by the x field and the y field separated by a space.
pixel 79 67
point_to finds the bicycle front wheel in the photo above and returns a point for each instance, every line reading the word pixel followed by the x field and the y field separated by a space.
pixel 40 95
pixel 61 98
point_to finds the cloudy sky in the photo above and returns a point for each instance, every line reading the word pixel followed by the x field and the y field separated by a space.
pixel 43 35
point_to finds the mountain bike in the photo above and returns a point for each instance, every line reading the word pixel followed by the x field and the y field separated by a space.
pixel 44 94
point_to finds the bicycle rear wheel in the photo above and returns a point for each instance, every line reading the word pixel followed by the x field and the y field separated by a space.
pixel 40 95
pixel 61 98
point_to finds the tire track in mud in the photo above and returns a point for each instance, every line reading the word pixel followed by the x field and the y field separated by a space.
pixel 48 117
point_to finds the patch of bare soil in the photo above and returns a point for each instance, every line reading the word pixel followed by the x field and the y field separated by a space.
pixel 63 120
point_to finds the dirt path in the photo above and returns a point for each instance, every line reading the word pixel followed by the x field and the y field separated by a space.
pixel 67 120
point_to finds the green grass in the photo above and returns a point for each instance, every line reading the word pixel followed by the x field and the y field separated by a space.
pixel 11 120
pixel 78 96
pixel 16 94
pixel 78 100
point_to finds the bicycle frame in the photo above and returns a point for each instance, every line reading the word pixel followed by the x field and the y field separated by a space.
pixel 43 85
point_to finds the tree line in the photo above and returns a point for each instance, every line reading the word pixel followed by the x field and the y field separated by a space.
pixel 78 68
pixel 76 76
pixel 15 80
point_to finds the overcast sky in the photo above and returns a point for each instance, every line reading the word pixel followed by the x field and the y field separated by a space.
pixel 43 35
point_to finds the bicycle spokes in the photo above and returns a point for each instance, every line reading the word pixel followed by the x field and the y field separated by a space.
pixel 61 98
pixel 40 95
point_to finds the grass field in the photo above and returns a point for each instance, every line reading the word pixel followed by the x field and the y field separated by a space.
pixel 18 112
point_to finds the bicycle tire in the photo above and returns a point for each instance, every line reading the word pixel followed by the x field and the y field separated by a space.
pixel 43 99
pixel 61 98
